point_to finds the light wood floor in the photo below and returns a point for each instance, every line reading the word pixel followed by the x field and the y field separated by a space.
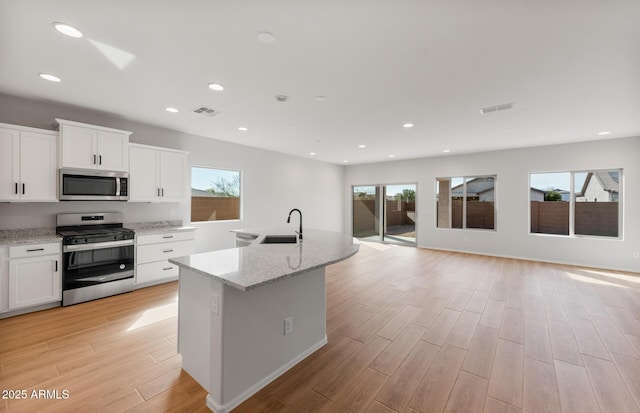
pixel 410 330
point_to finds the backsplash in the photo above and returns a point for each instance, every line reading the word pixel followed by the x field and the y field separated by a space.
pixel 43 215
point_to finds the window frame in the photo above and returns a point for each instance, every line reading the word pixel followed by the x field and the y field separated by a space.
pixel 465 179
pixel 240 196
pixel 572 202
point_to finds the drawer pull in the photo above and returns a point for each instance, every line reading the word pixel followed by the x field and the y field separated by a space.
pixel 167 251
pixel 167 236
pixel 167 268
pixel 56 270
pixel 35 249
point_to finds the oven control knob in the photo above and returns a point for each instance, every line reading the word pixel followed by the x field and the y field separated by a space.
pixel 122 266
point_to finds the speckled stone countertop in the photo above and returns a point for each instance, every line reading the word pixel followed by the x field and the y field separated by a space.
pixel 258 264
pixel 157 227
pixel 28 236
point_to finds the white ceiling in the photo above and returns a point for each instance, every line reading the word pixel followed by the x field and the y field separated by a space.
pixel 572 68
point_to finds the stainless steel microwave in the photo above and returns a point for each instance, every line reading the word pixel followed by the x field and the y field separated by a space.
pixel 93 185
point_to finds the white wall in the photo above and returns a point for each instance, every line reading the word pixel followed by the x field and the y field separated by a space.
pixel 512 238
pixel 273 183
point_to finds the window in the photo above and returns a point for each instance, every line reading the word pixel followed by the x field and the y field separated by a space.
pixel 466 202
pixel 215 194
pixel 576 203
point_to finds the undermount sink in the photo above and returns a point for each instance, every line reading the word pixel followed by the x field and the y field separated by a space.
pixel 280 239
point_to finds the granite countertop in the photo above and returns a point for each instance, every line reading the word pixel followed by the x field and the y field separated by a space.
pixel 158 227
pixel 259 264
pixel 28 236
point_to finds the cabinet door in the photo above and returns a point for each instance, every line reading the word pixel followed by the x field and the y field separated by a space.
pixel 34 281
pixel 143 174
pixel 37 167
pixel 113 151
pixel 172 176
pixel 9 164
pixel 78 147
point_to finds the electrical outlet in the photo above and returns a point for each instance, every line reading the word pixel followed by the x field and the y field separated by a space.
pixel 636 255
pixel 288 325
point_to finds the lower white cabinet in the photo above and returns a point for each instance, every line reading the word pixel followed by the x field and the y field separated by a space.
pixel 4 279
pixel 34 275
pixel 153 252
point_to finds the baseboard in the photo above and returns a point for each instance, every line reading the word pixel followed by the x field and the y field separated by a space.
pixel 227 407
pixel 516 257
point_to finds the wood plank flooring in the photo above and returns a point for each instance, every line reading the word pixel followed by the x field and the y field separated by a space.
pixel 410 331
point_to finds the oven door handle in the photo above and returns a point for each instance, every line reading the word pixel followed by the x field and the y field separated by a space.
pixel 108 277
pixel 97 245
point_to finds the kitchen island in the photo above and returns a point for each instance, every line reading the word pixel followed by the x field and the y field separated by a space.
pixel 247 315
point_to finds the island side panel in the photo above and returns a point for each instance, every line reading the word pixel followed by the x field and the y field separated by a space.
pixel 194 326
pixel 256 349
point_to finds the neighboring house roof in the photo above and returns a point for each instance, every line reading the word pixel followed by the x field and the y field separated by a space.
pixel 475 186
pixel 538 190
pixel 608 180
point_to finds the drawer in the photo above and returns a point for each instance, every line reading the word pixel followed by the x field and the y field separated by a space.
pixel 159 252
pixel 33 250
pixel 155 271
pixel 164 237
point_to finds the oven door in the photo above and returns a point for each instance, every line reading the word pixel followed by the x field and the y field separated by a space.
pixel 91 264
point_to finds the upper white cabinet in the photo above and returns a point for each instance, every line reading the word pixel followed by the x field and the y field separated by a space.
pixel 93 147
pixel 27 164
pixel 157 174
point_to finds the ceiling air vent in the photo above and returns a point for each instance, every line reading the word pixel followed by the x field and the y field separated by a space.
pixel 496 108
pixel 203 110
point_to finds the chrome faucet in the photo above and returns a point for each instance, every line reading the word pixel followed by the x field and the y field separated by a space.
pixel 289 220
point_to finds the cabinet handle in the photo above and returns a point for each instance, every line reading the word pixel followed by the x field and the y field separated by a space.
pixel 167 236
pixel 94 159
pixel 16 188
pixel 100 160
pixel 22 189
pixel 167 251
pixel 158 189
pixel 35 249
pixel 56 266
pixel 162 191
pixel 167 268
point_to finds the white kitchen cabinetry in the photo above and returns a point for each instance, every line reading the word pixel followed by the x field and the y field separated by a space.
pixel 153 252
pixel 27 164
pixel 4 279
pixel 157 174
pixel 34 275
pixel 93 147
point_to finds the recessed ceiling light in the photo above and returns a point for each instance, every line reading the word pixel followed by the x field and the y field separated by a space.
pixel 216 86
pixel 362 146
pixel 408 125
pixel 604 133
pixel 446 150
pixel 320 98
pixel 172 110
pixel 345 161
pixel 282 98
pixel 67 30
pixel 243 129
pixel 392 156
pixel 50 78
pixel 312 153
pixel 266 37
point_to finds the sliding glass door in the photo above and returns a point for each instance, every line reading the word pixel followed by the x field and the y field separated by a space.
pixel 385 213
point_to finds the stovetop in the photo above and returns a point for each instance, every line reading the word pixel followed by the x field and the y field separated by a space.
pixel 92 235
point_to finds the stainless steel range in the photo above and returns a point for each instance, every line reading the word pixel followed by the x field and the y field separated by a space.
pixel 97 256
